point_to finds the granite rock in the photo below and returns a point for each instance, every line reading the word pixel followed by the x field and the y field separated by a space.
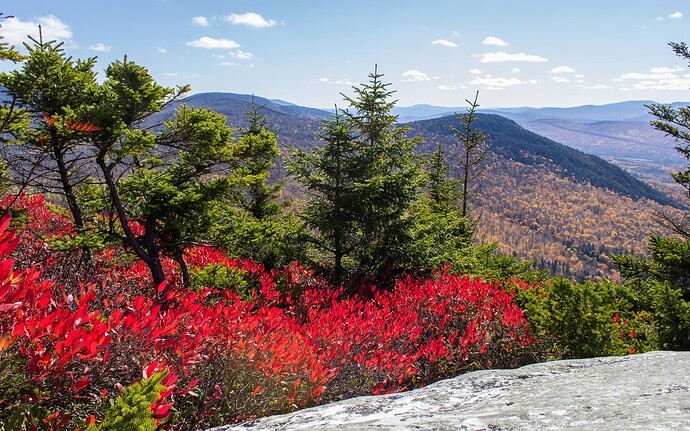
pixel 649 391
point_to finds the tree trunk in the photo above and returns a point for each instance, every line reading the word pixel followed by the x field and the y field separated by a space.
pixel 149 251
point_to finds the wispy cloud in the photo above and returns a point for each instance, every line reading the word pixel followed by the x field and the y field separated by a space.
pixel 597 87
pixel 444 42
pixel 560 79
pixel 450 87
pixel 251 19
pixel 665 69
pixel 415 75
pixel 335 81
pixel 492 40
pixel 99 47
pixel 242 55
pixel 211 43
pixel 15 30
pixel 658 78
pixel 475 71
pixel 161 50
pixel 499 83
pixel 200 21
pixel 676 15
pixel 500 56
pixel 562 69
pixel 651 75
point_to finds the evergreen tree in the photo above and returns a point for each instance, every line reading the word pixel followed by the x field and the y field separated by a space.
pixel 365 183
pixel 390 176
pixel 7 110
pixel 260 147
pixel 471 152
pixel 330 174
pixel 46 152
pixel 253 222
pixel 441 232
pixel 173 195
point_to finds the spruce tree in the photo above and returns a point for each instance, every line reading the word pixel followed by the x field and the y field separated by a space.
pixel 253 222
pixel 365 182
pixel 330 174
pixel 389 182
pixel 471 152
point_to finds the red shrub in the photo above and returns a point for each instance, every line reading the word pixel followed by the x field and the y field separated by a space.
pixel 298 342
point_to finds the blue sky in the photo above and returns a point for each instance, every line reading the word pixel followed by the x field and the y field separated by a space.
pixel 526 53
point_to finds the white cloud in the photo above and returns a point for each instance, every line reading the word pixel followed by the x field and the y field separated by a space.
pixel 415 75
pixel 515 70
pixel 201 21
pixel 636 75
pixel 100 47
pixel 560 79
pixel 170 74
pixel 449 87
pixel 15 31
pixel 678 84
pixel 444 42
pixel 475 71
pixel 658 78
pixel 227 63
pixel 251 19
pixel 496 83
pixel 562 69
pixel 500 56
pixel 665 69
pixel 162 50
pixel 336 81
pixel 658 19
pixel 492 40
pixel 676 15
pixel 597 87
pixel 242 55
pixel 211 43
pixel 577 75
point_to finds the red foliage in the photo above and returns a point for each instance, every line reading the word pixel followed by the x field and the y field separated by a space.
pixel 235 360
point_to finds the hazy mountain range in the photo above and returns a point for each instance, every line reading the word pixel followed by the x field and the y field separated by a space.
pixel 618 132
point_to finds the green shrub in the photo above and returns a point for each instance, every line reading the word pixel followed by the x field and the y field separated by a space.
pixel 132 409
pixel 587 320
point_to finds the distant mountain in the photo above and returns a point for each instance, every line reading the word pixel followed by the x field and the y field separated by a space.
pixel 408 114
pixel 619 132
pixel 235 104
pixel 634 110
pixel 509 140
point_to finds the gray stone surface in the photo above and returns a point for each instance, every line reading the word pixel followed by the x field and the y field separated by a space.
pixel 650 391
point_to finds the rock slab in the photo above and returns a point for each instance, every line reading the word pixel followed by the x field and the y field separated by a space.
pixel 649 391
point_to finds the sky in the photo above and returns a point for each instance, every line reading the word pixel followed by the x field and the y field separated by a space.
pixel 515 53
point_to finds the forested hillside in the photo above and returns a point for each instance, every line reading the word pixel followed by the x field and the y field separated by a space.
pixel 566 227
